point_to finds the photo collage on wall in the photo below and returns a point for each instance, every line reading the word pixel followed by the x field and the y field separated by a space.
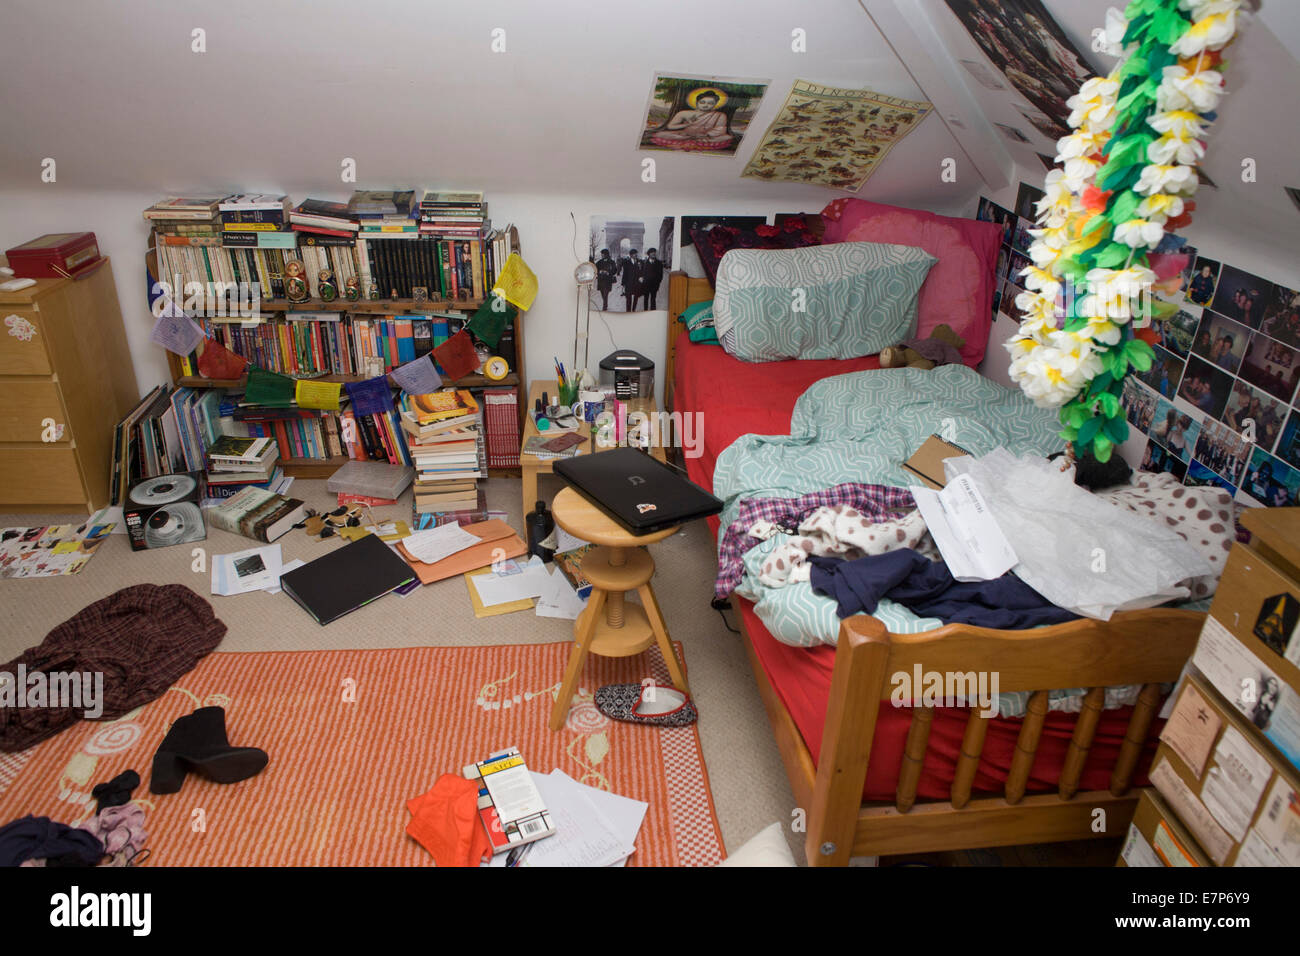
pixel 1219 404
pixel 1013 256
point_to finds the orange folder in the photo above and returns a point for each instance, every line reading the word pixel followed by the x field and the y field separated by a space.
pixel 499 542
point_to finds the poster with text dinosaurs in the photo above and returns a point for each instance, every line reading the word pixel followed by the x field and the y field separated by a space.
pixel 832 137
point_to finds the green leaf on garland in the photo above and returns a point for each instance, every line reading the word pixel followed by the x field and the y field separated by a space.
pixel 1123 207
pixel 1101 448
pixel 1117 428
pixel 1108 404
pixel 1168 25
pixel 1093 223
pixel 1069 434
pixel 1139 354
pixel 1100 383
pixel 1113 254
pixel 1089 430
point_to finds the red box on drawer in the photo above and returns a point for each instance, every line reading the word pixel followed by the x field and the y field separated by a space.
pixel 58 255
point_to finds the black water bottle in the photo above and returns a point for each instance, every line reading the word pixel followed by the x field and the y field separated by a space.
pixel 540 524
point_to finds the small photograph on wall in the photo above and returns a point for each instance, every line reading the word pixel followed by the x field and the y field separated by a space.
pixel 1004 262
pixel 1248 404
pixel 1198 475
pixel 1241 296
pixel 1270 482
pixel 1205 387
pixel 1177 332
pixel 1205 275
pixel 1174 429
pixel 700 114
pixel 1221 341
pixel 1288 448
pixel 1009 293
pixel 1190 269
pixel 1027 198
pixel 1021 239
pixel 1222 450
pixel 1281 318
pixel 1164 373
pixel 1157 458
pixel 1139 404
pixel 1272 366
pixel 633 257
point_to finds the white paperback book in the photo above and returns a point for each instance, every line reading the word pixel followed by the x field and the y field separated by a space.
pixel 966 533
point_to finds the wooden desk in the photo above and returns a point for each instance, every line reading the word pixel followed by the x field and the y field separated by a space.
pixel 530 466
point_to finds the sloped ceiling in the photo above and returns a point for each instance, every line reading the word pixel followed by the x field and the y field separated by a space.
pixel 412 90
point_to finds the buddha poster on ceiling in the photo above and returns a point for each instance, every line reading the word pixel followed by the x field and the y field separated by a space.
pixel 700 114
pixel 832 137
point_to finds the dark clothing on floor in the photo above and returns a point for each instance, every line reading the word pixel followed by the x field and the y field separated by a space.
pixel 928 589
pixel 142 639
pixel 40 838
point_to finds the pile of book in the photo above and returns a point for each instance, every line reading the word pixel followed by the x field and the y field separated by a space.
pixel 453 215
pixel 444 432
pixel 255 221
pixel 182 218
pixel 384 214
pixel 236 463
pixel 321 217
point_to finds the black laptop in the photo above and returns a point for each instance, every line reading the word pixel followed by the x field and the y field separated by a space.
pixel 641 494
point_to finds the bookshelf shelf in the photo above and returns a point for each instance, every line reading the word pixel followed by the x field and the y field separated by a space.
pixel 469 381
pixel 370 306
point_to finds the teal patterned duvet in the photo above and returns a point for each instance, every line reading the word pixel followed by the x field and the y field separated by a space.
pixel 861 427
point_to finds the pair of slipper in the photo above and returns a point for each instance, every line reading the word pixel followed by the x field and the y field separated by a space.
pixel 648 703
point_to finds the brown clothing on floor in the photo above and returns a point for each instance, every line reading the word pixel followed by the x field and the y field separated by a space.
pixel 141 638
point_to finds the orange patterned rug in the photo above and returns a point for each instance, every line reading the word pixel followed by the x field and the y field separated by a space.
pixel 352 735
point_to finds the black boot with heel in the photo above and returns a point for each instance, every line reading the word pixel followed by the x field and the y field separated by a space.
pixel 198 742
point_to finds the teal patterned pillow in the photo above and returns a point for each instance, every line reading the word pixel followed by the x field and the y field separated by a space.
pixel 820 302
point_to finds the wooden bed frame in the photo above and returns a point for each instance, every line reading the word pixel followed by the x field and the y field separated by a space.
pixel 1137 647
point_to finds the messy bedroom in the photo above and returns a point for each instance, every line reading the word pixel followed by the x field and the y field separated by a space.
pixel 836 433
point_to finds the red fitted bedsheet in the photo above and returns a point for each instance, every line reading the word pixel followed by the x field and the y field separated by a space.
pixel 742 397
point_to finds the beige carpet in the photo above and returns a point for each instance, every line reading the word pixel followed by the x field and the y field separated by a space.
pixel 750 790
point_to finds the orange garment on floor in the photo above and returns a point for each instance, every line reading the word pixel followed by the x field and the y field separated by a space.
pixel 445 822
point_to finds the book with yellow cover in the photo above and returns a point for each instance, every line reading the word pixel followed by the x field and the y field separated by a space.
pixel 437 406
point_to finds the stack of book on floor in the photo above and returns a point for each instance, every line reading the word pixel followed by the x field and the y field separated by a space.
pixel 445 436
pixel 235 464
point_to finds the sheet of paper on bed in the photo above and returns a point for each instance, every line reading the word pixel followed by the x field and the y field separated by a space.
pixel 966 534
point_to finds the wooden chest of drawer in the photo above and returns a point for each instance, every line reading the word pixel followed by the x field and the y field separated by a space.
pixel 66 379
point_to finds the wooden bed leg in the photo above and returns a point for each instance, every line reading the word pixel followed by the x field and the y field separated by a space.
pixel 1022 761
pixel 1085 728
pixel 857 688
pixel 1135 735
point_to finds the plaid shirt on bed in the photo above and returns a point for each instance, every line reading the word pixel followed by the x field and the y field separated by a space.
pixel 874 501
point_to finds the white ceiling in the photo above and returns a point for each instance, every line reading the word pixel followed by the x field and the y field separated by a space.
pixel 412 91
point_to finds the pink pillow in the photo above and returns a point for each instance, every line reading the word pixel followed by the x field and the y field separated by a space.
pixel 959 288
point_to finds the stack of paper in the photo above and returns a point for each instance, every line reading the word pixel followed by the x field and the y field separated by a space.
pixel 592 827
pixel 559 599
pixel 437 543
pixel 508 580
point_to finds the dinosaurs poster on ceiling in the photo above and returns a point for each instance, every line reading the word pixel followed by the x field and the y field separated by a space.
pixel 832 137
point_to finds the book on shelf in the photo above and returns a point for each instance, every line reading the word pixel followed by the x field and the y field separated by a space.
pixel 180 208
pixel 232 449
pixel 324 214
pixel 509 804
pixel 258 514
pixel 252 209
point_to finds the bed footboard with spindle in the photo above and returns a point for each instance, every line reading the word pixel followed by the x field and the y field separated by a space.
pixel 1136 647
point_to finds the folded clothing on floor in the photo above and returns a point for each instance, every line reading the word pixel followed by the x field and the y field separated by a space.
pixel 928 588
pixel 141 639
pixel 445 821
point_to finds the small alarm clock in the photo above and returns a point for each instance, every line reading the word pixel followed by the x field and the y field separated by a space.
pixel 496 368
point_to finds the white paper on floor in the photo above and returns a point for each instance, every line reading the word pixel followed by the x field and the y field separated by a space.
pixel 559 599
pixel 437 543
pixel 500 588
pixel 253 570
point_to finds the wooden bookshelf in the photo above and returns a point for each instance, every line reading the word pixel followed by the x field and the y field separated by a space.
pixel 371 306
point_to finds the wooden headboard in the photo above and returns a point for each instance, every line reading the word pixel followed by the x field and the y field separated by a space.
pixel 682 292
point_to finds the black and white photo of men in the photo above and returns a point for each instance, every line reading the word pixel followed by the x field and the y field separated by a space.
pixel 632 258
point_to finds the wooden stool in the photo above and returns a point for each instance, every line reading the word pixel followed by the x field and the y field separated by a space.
pixel 610 625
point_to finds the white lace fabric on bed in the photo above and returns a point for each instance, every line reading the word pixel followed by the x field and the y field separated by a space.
pixel 1077 550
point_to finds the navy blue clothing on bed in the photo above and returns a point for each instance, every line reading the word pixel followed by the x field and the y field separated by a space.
pixel 928 588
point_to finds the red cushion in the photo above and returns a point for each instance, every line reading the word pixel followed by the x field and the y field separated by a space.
pixel 959 288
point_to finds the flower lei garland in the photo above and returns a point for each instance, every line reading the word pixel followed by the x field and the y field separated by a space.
pixel 1124 177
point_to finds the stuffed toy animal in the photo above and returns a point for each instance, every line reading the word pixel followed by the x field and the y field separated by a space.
pixel 941 348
